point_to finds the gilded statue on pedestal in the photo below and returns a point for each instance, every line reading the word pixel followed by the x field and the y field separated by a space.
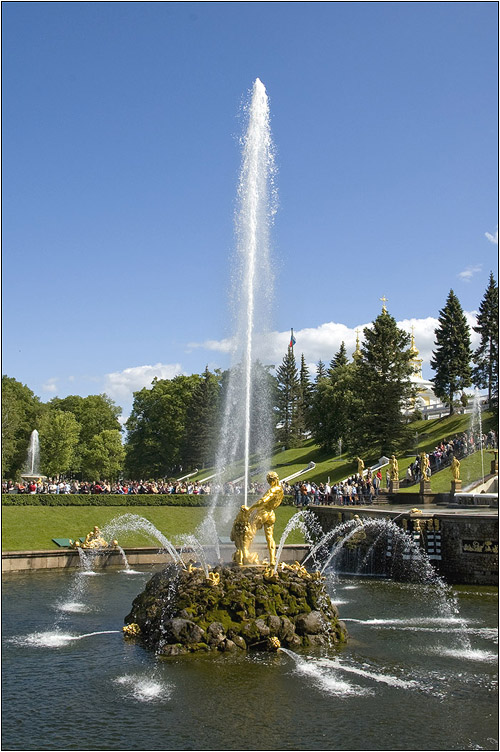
pixel 253 518
pixel 455 468
pixel 424 466
pixel 393 468
pixel 361 466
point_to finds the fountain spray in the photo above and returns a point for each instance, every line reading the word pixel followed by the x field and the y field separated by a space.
pixel 247 403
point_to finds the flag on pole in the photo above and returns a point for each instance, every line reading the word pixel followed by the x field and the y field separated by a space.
pixel 292 339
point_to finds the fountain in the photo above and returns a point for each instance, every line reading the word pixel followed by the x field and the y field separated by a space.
pixel 247 418
pixel 32 466
pixel 484 493
pixel 238 607
pixel 273 667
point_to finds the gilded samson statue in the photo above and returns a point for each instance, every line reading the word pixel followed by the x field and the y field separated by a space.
pixel 250 519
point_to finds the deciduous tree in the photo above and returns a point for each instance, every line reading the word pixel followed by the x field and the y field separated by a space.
pixel 59 433
pixel 103 456
pixel 21 413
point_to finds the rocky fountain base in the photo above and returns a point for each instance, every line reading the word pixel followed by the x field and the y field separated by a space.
pixel 234 608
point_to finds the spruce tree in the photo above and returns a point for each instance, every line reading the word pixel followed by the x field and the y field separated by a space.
pixel 321 372
pixel 485 373
pixel 304 399
pixel 339 359
pixel 201 423
pixel 288 391
pixel 333 408
pixel 382 386
pixel 452 356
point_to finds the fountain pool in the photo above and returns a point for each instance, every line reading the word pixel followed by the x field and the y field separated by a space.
pixel 403 681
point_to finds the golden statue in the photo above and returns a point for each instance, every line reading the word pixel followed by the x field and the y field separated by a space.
pixel 93 539
pixel 424 465
pixel 361 466
pixel 393 468
pixel 250 519
pixel 455 468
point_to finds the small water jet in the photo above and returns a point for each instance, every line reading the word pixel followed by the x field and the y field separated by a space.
pixel 31 470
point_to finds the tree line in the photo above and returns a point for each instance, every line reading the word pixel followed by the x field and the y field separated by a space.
pixel 362 404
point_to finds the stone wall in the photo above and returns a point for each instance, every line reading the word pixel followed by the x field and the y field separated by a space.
pixel 464 551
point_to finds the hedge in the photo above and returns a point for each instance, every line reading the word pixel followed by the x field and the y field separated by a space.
pixel 120 500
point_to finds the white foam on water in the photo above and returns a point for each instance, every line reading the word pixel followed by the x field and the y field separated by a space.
pixel 54 638
pixel 145 689
pixel 130 571
pixel 484 656
pixel 338 601
pixel 417 621
pixel 327 681
pixel 73 607
pixel 392 681
pixel 350 587
pixel 89 573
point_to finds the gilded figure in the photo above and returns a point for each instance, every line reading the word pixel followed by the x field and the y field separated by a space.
pixel 393 468
pixel 250 519
pixel 455 468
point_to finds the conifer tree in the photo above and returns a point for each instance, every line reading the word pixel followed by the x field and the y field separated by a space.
pixel 288 391
pixel 485 373
pixel 201 423
pixel 304 400
pixel 339 359
pixel 452 356
pixel 383 388
pixel 321 372
pixel 334 403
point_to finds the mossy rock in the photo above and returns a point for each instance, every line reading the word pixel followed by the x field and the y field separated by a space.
pixel 178 609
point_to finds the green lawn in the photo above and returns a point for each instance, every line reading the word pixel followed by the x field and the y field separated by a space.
pixel 427 433
pixel 32 528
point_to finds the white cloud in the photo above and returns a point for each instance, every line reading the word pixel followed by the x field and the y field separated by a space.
pixel 50 385
pixel 323 342
pixel 468 273
pixel 121 384
pixel 492 238
pixel 222 345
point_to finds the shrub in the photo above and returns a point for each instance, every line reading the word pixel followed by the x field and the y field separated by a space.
pixel 120 500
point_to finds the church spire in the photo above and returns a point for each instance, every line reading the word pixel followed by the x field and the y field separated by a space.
pixel 357 352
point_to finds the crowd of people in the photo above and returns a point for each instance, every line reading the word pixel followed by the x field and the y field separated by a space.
pixel 125 487
pixel 442 455
pixel 357 488
pixel 353 490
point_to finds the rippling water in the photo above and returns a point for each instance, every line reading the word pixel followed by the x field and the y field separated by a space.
pixel 403 682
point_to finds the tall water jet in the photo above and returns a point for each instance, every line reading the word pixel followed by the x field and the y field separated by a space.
pixel 476 426
pixel 247 424
pixel 32 464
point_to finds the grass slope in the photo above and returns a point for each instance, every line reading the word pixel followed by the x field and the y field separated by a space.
pixel 32 528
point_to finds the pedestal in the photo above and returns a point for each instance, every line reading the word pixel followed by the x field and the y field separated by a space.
pixel 425 487
pixel 394 486
pixel 456 486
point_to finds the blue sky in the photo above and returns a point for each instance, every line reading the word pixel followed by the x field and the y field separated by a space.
pixel 121 128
